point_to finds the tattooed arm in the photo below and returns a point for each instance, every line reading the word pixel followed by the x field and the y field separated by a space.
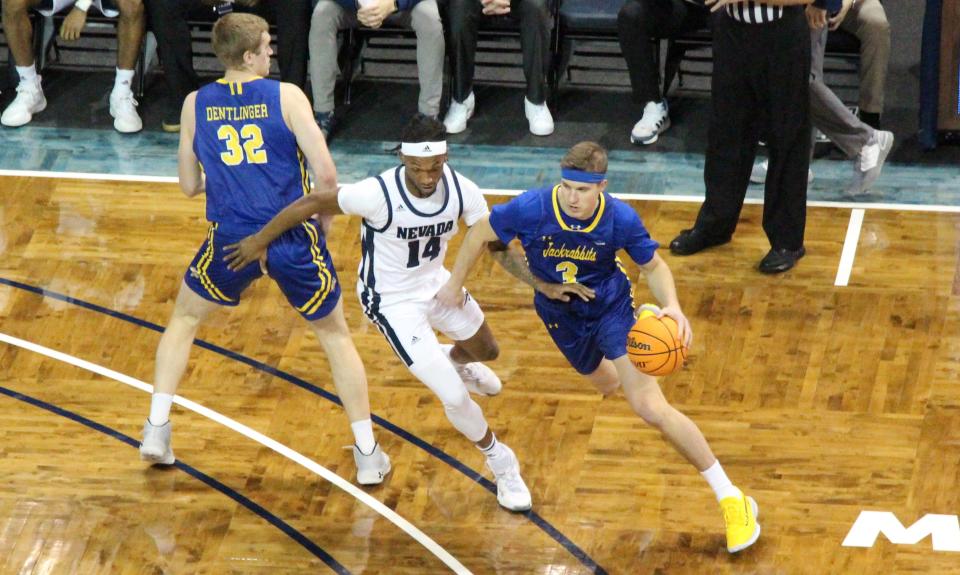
pixel 511 258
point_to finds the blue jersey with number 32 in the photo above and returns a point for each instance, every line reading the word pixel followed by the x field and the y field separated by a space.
pixel 253 165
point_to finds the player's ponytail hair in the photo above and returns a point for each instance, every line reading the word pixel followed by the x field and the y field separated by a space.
pixel 586 156
pixel 423 128
pixel 236 34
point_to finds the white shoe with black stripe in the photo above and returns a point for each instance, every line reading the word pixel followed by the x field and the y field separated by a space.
pixel 655 121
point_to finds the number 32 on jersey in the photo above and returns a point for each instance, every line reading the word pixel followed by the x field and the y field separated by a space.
pixel 252 147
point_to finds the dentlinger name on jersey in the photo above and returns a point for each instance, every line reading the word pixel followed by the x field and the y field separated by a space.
pixel 580 253
pixel 236 114
pixel 429 231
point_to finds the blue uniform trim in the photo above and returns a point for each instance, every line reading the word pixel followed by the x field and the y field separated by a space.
pixel 456 183
pixel 406 200
pixel 370 300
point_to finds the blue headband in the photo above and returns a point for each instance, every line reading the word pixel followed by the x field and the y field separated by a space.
pixel 575 175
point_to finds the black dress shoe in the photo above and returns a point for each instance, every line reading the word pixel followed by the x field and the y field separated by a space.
pixel 780 260
pixel 693 240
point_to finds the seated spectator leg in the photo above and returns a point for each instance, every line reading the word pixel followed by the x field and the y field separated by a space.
pixel 168 19
pixel 637 22
pixel 18 30
pixel 535 23
pixel 464 18
pixel 130 31
pixel 328 17
pixel 19 33
pixel 868 22
pixel 425 21
pixel 293 18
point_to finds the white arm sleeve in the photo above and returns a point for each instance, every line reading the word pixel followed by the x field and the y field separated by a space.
pixel 474 204
pixel 366 199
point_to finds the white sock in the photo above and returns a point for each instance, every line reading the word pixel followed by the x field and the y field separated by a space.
pixel 123 80
pixel 160 404
pixel 492 451
pixel 363 436
pixel 27 73
pixel 719 482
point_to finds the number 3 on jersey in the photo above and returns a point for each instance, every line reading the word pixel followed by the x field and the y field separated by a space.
pixel 569 272
pixel 252 144
pixel 431 251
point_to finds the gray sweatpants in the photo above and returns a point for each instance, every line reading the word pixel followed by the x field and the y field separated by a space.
pixel 424 18
pixel 827 112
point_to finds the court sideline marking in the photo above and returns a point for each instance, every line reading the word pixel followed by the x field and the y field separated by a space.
pixel 849 252
pixel 432 546
pixel 939 208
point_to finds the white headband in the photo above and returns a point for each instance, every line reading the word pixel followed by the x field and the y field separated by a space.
pixel 423 149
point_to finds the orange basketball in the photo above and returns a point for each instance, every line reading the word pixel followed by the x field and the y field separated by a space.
pixel 653 345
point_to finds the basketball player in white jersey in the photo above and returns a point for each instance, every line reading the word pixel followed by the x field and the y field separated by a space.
pixel 409 214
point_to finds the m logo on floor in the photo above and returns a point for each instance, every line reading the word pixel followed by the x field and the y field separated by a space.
pixel 944 530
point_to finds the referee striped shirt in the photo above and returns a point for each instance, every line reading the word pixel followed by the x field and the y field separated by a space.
pixel 754 12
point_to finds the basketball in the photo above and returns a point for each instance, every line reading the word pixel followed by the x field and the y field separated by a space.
pixel 653 345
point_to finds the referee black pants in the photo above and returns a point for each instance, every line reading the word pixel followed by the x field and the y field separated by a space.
pixel 760 89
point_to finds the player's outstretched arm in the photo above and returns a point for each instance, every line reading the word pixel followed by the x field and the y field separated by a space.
pixel 254 247
pixel 480 234
pixel 660 279
pixel 188 167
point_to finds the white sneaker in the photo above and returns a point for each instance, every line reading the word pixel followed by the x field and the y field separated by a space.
pixel 869 163
pixel 478 378
pixel 655 121
pixel 29 101
pixel 123 108
pixel 539 118
pixel 458 114
pixel 512 492
pixel 758 174
pixel 373 468
pixel 155 446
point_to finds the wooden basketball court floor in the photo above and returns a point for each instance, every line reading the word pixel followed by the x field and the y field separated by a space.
pixel 821 400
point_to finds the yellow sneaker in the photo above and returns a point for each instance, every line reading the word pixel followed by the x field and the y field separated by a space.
pixel 740 514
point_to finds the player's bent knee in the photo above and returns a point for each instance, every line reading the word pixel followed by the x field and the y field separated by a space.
pixel 651 411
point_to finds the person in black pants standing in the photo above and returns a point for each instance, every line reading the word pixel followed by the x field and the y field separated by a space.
pixel 638 22
pixel 761 69
pixel 169 23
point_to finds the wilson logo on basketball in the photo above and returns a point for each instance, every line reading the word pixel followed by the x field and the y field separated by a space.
pixel 638 345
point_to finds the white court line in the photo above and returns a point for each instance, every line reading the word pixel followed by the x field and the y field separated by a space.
pixel 939 208
pixel 242 429
pixel 849 247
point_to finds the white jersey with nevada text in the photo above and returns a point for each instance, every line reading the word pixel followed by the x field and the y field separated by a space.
pixel 404 238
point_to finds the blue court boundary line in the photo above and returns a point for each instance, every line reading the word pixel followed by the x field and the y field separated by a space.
pixel 280 524
pixel 453 462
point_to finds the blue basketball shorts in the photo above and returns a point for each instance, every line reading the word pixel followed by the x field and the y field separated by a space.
pixel 298 261
pixel 585 341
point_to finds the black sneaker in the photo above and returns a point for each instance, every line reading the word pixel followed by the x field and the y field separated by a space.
pixel 693 240
pixel 779 260
pixel 327 123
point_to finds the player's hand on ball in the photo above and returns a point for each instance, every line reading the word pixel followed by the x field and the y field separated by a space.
pixel 684 331
pixel 245 252
pixel 563 292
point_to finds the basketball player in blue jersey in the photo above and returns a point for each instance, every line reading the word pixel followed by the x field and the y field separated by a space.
pixel 249 136
pixel 409 213
pixel 571 234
